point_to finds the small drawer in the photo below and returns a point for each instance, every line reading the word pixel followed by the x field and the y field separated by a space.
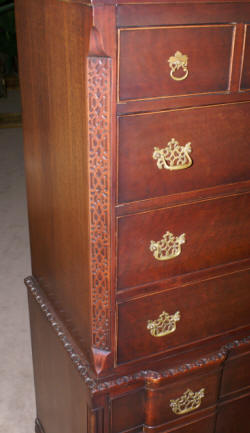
pixel 128 412
pixel 161 322
pixel 134 409
pixel 245 78
pixel 181 400
pixel 236 374
pixel 166 61
pixel 182 150
pixel 160 244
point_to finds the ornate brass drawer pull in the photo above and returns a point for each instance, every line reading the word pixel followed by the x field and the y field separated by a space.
pixel 164 325
pixel 173 156
pixel 168 247
pixel 188 402
pixel 176 62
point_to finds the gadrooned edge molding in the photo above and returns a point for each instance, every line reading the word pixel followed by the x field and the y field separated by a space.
pixel 81 365
pixel 84 368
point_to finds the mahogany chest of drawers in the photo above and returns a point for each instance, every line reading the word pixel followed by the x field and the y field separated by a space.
pixel 137 146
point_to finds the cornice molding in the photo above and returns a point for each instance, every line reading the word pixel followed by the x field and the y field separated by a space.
pixel 84 369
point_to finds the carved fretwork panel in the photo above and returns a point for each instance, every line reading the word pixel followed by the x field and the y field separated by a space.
pixel 99 88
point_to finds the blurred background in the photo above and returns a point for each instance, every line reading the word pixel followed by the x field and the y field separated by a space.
pixel 10 105
pixel 8 47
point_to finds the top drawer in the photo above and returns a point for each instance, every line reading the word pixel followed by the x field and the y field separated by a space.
pixel 166 61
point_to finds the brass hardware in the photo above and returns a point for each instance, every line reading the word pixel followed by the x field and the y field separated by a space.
pixel 168 247
pixel 164 325
pixel 188 402
pixel 174 156
pixel 176 62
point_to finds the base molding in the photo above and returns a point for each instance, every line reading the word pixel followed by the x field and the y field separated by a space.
pixel 67 404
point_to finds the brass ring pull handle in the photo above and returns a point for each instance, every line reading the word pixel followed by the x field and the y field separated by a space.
pixel 188 402
pixel 164 325
pixel 173 156
pixel 177 62
pixel 168 247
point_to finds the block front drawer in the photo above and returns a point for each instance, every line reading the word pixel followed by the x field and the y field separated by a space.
pixel 167 61
pixel 174 402
pixel 160 244
pixel 182 150
pixel 233 416
pixel 141 410
pixel 163 321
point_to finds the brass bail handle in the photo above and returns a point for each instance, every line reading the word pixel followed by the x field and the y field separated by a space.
pixel 173 156
pixel 188 402
pixel 168 247
pixel 165 324
pixel 176 62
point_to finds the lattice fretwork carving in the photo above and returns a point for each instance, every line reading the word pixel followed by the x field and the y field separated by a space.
pixel 99 82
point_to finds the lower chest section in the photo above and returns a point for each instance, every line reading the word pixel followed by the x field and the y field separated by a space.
pixel 210 394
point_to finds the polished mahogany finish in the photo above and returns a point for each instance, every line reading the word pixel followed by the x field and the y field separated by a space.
pixel 236 375
pixel 181 13
pixel 160 397
pixel 216 150
pixel 136 129
pixel 149 77
pixel 207 308
pixel 53 151
pixel 216 232
pixel 232 417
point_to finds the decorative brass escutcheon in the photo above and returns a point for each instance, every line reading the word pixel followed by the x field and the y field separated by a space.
pixel 173 156
pixel 168 247
pixel 164 325
pixel 188 402
pixel 176 62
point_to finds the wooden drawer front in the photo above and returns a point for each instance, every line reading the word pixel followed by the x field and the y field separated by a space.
pixel 220 151
pixel 214 232
pixel 127 411
pixel 197 392
pixel 233 417
pixel 205 309
pixel 205 425
pixel 236 374
pixel 162 14
pixel 144 54
pixel 245 82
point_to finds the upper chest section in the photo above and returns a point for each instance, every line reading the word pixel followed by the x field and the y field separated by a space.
pixel 181 54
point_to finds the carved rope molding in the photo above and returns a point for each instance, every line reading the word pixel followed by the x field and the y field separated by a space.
pixel 99 115
pixel 84 369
